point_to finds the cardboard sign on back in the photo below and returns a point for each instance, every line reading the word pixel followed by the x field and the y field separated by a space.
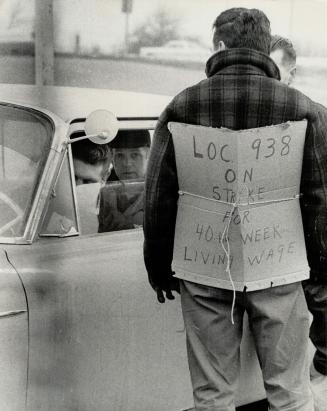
pixel 239 220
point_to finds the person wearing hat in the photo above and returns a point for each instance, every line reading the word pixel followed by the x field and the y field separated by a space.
pixel 121 203
pixel 130 150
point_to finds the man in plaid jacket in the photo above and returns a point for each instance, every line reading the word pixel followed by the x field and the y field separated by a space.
pixel 242 91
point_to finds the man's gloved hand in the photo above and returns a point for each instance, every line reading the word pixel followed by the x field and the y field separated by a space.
pixel 171 284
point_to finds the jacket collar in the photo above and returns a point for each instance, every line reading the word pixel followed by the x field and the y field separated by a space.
pixel 252 60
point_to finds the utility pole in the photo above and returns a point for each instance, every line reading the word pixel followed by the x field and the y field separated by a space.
pixel 291 22
pixel 127 6
pixel 126 32
pixel 44 47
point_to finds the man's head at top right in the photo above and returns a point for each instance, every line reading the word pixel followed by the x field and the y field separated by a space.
pixel 242 28
pixel 284 55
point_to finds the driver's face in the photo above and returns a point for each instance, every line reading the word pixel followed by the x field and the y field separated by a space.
pixel 130 163
pixel 87 173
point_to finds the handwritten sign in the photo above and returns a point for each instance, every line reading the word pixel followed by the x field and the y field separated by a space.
pixel 239 219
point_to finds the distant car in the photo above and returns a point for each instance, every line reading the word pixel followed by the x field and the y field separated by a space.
pixel 80 327
pixel 177 50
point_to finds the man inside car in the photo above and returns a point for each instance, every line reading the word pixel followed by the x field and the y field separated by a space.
pixel 121 202
pixel 91 161
pixel 91 168
pixel 130 151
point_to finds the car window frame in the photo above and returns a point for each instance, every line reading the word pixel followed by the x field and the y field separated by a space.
pixel 125 123
pixel 48 175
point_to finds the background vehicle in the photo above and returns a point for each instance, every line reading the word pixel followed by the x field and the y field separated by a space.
pixel 177 50
pixel 80 328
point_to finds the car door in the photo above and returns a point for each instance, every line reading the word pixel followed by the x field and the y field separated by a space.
pixel 13 338
pixel 27 149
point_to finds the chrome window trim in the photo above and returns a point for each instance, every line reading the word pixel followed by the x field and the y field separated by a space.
pixel 56 152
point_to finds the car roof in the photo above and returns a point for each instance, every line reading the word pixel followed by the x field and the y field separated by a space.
pixel 71 103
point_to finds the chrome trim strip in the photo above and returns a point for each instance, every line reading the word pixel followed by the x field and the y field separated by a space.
pixel 12 313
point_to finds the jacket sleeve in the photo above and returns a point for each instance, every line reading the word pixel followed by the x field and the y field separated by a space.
pixel 321 158
pixel 314 189
pixel 160 208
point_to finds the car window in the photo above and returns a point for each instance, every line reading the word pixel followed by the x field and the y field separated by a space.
pixel 25 140
pixel 115 201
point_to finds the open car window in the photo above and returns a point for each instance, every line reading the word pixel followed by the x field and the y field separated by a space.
pixel 25 141
pixel 111 198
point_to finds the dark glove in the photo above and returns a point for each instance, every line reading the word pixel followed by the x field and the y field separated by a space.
pixel 167 286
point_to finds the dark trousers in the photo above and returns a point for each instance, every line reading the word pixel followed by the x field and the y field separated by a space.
pixel 316 296
pixel 279 322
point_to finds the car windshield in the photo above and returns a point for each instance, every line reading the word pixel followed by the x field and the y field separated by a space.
pixel 25 139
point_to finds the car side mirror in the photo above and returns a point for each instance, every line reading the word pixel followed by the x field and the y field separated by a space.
pixel 101 127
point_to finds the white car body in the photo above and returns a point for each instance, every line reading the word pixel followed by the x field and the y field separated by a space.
pixel 182 50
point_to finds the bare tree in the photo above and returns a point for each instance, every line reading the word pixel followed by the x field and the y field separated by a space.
pixel 159 28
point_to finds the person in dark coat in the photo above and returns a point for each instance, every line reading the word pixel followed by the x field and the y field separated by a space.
pixel 242 91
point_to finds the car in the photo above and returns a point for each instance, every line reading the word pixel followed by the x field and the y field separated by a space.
pixel 182 50
pixel 80 327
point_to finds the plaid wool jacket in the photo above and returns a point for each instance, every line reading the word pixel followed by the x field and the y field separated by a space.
pixel 242 91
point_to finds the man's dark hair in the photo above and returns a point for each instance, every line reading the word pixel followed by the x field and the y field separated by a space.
pixel 243 28
pixel 284 44
pixel 89 152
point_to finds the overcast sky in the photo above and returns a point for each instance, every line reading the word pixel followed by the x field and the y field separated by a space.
pixel 304 19
pixel 101 22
